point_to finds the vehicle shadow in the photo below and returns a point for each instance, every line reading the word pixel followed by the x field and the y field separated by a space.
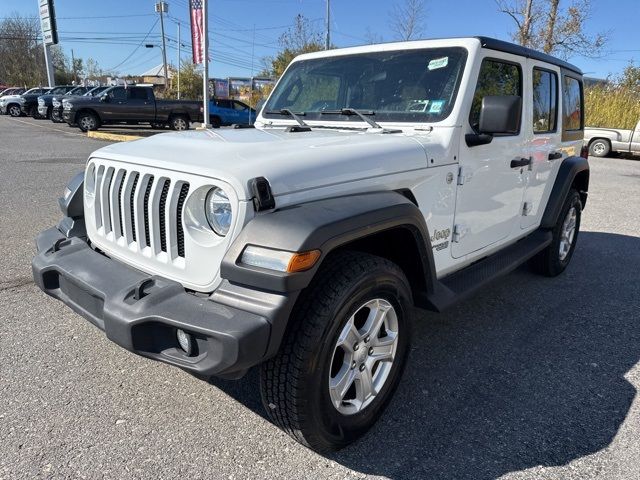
pixel 529 372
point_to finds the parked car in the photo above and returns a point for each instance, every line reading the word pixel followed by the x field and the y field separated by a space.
pixel 29 104
pixel 58 100
pixel 131 105
pixel 45 102
pixel 12 91
pixel 230 112
pixel 303 245
pixel 12 104
pixel 604 141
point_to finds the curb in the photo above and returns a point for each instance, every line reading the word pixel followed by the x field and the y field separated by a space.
pixel 113 137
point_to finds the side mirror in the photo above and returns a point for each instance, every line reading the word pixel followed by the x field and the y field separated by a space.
pixel 104 98
pixel 500 114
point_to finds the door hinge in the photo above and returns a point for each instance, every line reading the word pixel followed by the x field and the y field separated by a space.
pixel 463 176
pixel 459 231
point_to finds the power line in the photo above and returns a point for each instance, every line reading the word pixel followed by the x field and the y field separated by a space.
pixel 139 45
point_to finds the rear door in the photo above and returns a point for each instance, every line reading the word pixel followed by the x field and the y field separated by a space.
pixel 141 105
pixel 489 195
pixel 544 139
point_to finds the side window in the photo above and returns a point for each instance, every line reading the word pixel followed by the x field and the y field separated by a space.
pixel 572 117
pixel 224 104
pixel 239 106
pixel 545 101
pixel 138 94
pixel 118 94
pixel 496 78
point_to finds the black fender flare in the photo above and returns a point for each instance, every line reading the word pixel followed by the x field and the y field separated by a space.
pixel 573 171
pixel 325 225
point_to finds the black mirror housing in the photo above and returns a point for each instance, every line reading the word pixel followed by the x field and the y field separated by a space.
pixel 500 114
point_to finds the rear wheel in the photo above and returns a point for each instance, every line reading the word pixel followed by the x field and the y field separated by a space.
pixel 600 148
pixel 343 354
pixel 87 121
pixel 14 110
pixel 215 122
pixel 179 122
pixel 554 259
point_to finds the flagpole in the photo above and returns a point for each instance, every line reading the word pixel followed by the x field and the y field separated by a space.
pixel 205 62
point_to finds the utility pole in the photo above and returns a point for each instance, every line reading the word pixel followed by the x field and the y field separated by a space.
pixel 327 39
pixel 162 8
pixel 73 65
pixel 205 62
pixel 253 48
pixel 179 54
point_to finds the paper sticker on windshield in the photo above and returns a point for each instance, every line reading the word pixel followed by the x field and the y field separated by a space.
pixel 436 106
pixel 438 63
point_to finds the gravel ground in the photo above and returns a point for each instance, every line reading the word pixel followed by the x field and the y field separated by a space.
pixel 533 378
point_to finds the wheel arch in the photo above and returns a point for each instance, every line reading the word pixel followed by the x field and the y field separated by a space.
pixel 87 110
pixel 573 173
pixel 386 224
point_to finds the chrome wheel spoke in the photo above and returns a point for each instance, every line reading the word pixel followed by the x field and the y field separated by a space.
pixel 364 387
pixel 340 384
pixel 377 315
pixel 349 336
pixel 384 349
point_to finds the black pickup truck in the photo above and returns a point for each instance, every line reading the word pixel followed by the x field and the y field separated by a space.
pixel 130 105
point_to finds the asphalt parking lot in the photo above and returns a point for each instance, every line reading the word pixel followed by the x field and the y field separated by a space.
pixel 533 378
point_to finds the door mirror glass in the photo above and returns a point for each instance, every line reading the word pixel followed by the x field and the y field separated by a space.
pixel 500 114
pixel 104 98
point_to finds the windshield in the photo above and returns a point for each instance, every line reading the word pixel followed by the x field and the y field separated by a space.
pixel 34 90
pixel 58 90
pixel 397 86
pixel 94 91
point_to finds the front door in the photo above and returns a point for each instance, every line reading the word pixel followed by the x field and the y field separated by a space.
pixel 141 106
pixel 490 190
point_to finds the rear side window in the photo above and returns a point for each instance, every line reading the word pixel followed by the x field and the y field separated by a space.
pixel 496 78
pixel 138 94
pixel 545 101
pixel 572 114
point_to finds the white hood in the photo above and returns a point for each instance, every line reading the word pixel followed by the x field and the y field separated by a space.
pixel 290 161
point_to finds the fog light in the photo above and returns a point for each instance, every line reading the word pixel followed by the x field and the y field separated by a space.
pixel 185 341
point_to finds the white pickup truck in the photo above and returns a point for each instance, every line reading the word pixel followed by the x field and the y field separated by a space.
pixel 604 141
pixel 377 179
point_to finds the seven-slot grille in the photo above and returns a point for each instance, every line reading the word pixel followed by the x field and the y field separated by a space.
pixel 141 210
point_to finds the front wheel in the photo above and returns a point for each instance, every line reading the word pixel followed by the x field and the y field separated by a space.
pixel 87 121
pixel 343 354
pixel 14 110
pixel 554 259
pixel 56 117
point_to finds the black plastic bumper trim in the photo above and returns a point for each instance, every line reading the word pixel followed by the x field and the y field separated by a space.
pixel 144 320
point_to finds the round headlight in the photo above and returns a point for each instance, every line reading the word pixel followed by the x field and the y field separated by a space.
pixel 218 211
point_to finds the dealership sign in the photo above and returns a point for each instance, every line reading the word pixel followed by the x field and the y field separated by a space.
pixel 48 22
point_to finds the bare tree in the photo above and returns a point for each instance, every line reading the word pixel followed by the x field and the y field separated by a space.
pixel 407 20
pixel 546 26
pixel 372 37
pixel 21 52
pixel 526 16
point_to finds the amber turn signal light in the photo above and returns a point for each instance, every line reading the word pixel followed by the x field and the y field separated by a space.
pixel 303 261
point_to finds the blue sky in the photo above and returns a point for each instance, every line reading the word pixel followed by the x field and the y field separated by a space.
pixel 113 40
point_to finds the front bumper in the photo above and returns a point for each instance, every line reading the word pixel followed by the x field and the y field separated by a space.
pixel 42 110
pixel 3 109
pixel 142 313
pixel 68 116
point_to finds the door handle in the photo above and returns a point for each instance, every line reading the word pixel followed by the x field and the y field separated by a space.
pixel 555 155
pixel 520 162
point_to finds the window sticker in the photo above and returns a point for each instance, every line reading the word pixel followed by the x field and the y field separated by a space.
pixel 438 63
pixel 436 106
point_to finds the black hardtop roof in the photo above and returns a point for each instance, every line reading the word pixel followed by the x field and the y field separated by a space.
pixel 508 47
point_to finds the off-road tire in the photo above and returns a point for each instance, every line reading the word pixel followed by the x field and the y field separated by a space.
pixel 295 383
pixel 549 262
pixel 599 148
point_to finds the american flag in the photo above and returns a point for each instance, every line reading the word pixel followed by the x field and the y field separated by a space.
pixel 197 31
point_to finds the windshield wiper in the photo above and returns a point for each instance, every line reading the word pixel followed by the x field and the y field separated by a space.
pixel 352 111
pixel 286 111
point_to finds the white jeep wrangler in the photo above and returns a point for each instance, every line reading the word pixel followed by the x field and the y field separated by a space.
pixel 377 178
